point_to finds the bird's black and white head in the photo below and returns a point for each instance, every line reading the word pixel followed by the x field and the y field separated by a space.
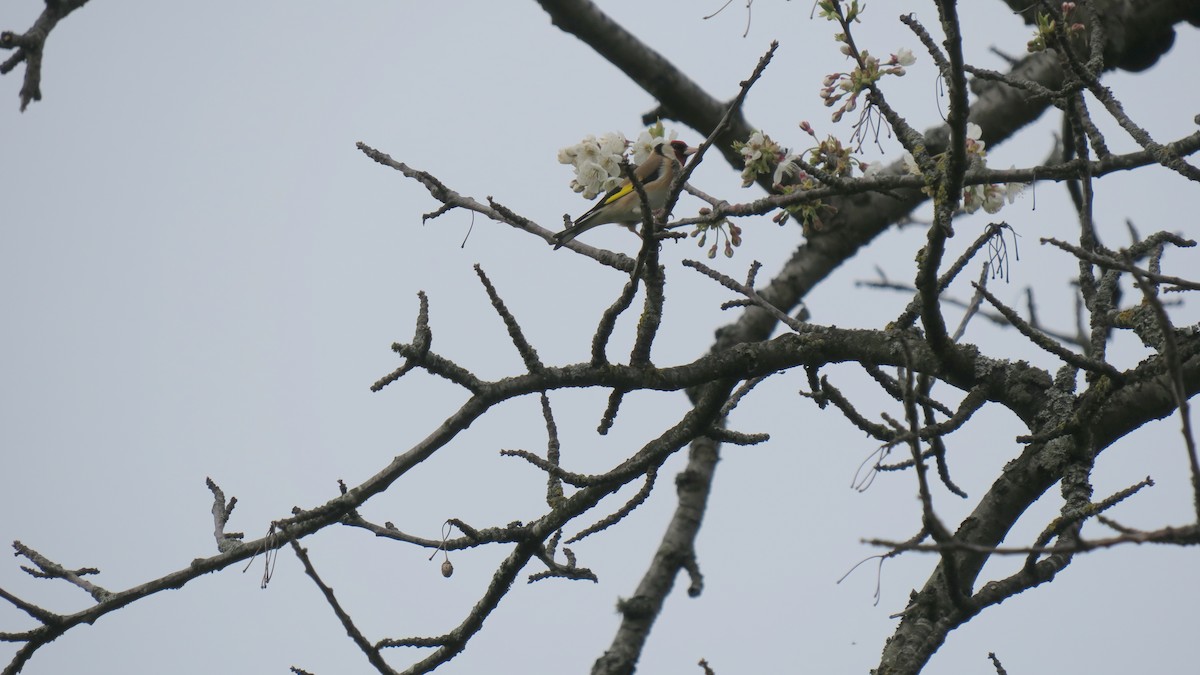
pixel 681 150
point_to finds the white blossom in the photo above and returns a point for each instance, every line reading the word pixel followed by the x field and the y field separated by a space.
pixel 592 177
pixel 785 168
pixel 645 144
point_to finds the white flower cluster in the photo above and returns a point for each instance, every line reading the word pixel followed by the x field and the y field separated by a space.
pixel 597 161
pixel 990 196
pixel 761 154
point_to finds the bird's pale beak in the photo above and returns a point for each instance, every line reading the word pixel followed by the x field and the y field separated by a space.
pixel 690 150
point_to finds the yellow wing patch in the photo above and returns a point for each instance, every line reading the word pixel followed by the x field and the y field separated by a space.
pixel 628 187
pixel 618 193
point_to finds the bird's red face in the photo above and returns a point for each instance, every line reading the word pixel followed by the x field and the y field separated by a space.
pixel 682 150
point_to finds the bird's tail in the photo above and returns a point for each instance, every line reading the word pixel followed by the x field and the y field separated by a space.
pixel 580 226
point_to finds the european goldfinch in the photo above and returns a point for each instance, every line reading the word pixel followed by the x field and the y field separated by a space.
pixel 622 204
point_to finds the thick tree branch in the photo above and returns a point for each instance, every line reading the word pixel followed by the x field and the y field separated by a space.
pixel 680 97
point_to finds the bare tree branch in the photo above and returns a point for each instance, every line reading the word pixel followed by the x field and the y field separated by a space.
pixel 30 46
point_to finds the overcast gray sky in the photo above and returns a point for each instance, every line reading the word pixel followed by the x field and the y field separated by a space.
pixel 201 276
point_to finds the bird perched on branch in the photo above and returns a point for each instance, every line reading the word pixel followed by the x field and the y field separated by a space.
pixel 622 204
